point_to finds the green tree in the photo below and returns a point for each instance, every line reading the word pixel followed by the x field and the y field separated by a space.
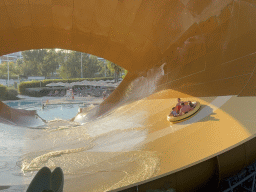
pixel 114 70
pixel 33 60
pixel 124 72
pixel 61 58
pixel 63 71
pixel 19 65
pixel 40 62
pixel 50 63
pixel 25 68
pixel 91 66
pixel 71 68
pixel 3 70
pixel 13 72
pixel 102 69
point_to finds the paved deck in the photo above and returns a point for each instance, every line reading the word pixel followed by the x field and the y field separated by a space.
pixel 76 100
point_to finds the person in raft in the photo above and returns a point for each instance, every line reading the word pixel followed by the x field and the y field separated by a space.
pixel 184 109
pixel 191 104
pixel 178 106
pixel 173 112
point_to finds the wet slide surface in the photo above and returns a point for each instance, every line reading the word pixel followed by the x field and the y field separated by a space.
pixel 203 112
pixel 170 148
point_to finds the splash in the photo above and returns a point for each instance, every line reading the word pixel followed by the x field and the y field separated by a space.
pixel 46 159
pixel 108 143
pixel 142 86
pixel 137 89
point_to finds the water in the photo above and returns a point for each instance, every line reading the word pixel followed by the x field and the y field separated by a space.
pixel 105 147
pixel 50 112
pixel 106 144
pixel 13 139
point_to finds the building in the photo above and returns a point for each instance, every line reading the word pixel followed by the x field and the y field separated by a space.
pixel 11 57
pixel 101 59
pixel 30 78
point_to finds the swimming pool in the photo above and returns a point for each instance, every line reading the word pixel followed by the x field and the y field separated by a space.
pixel 49 112
pixel 21 103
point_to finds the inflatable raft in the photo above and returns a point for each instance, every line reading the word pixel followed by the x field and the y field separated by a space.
pixel 185 116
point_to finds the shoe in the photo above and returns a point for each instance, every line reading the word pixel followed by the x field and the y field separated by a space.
pixel 41 181
pixel 57 180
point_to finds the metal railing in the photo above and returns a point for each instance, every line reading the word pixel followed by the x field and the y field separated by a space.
pixel 244 180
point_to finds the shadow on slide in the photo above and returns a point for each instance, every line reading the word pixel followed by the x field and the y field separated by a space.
pixel 45 181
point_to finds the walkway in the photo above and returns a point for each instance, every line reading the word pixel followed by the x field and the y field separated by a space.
pixel 64 100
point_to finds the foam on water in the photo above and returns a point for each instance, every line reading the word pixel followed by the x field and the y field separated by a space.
pixel 108 134
pixel 45 159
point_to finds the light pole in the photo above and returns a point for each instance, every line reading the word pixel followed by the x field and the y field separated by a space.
pixel 66 57
pixel 105 67
pixel 8 69
pixel 81 66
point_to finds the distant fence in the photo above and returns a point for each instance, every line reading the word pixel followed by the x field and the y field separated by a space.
pixel 11 81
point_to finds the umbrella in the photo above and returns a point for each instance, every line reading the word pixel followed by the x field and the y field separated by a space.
pixel 53 85
pixel 62 84
pixel 85 81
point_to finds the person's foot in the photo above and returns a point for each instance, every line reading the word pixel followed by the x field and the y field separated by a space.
pixel 57 180
pixel 41 181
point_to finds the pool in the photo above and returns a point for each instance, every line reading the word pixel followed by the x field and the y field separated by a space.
pixel 49 112
pixel 21 103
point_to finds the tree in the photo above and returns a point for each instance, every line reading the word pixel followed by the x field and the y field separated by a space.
pixel 71 68
pixel 124 72
pixel 114 70
pixel 25 69
pixel 12 70
pixel 66 63
pixel 19 65
pixel 50 63
pixel 91 66
pixel 102 69
pixel 3 70
pixel 33 60
pixel 40 62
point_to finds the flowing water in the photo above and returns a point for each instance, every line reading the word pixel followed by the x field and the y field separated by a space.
pixel 108 144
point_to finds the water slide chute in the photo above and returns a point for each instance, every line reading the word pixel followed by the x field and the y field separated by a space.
pixel 19 117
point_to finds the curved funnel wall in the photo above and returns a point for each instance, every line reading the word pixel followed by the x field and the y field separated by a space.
pixel 208 46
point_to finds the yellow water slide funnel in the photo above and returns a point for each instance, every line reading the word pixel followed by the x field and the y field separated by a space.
pixel 208 48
